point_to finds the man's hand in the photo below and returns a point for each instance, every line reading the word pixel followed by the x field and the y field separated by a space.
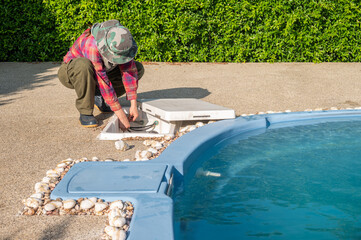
pixel 123 120
pixel 133 111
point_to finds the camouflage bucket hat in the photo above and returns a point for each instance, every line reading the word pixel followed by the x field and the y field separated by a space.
pixel 114 41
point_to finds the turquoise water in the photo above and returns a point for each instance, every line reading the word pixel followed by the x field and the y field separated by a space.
pixel 299 182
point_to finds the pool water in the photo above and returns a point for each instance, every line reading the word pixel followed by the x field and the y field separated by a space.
pixel 300 182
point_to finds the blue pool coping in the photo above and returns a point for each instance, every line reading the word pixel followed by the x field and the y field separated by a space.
pixel 151 193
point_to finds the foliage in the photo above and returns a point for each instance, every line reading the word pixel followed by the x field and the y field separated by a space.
pixel 190 30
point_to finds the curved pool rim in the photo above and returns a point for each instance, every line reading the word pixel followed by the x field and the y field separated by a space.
pixel 153 216
pixel 185 151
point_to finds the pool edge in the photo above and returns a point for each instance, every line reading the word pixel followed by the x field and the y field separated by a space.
pixel 153 216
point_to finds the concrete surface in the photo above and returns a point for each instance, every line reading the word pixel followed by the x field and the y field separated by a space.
pixel 39 122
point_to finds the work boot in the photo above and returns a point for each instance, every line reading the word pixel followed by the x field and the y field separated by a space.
pixel 101 105
pixel 88 121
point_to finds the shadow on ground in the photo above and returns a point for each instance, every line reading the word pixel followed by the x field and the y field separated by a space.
pixel 102 117
pixel 7 101
pixel 55 231
pixel 183 92
pixel 29 77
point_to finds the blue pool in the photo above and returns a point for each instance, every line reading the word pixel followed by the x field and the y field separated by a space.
pixel 296 182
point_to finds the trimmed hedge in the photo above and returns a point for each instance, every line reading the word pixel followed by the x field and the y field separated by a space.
pixel 27 32
pixel 190 30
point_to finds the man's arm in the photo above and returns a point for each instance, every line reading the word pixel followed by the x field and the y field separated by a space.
pixel 133 110
pixel 130 81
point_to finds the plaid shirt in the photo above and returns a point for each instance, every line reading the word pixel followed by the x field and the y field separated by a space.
pixel 87 47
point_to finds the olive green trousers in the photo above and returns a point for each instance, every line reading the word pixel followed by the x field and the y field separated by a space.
pixel 79 74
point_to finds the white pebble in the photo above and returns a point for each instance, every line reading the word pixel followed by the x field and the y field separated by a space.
pixel 93 199
pixel 114 212
pixel 148 142
pixel 46 180
pixel 121 145
pixel 40 184
pixel 318 109
pixel 184 129
pixel 100 206
pixel 199 124
pixel 49 207
pixel 116 204
pixel 37 195
pixel 69 204
pixel 333 108
pixel 137 154
pixel 109 230
pixel 51 173
pixel 53 179
pixel 57 204
pixel 191 128
pixel 119 234
pixel 126 160
pixel 146 155
pixel 59 170
pixel 86 204
pixel 169 137
pixel 61 165
pixel 157 145
pixel 94 159
pixel 288 111
pixel 33 203
pixel 152 150
pixel 117 221
pixel 67 161
pixel 41 187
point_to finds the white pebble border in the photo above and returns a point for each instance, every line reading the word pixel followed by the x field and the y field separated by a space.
pixel 119 213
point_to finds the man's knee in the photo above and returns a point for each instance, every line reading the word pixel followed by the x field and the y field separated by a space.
pixel 82 74
pixel 83 65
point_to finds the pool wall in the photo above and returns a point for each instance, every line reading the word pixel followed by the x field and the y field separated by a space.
pixel 153 216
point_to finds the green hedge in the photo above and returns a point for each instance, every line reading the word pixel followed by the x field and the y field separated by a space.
pixel 190 30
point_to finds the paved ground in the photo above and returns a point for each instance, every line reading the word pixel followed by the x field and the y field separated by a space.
pixel 39 123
